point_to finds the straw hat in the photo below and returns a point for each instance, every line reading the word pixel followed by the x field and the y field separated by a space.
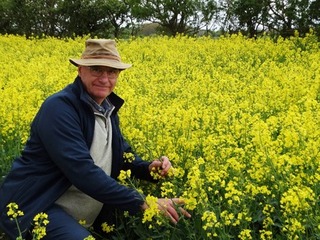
pixel 100 52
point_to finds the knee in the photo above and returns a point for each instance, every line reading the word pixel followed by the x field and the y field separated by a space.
pixel 71 234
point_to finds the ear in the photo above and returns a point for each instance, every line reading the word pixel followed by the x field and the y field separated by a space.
pixel 79 70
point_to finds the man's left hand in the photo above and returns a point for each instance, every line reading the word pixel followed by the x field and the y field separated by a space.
pixel 163 163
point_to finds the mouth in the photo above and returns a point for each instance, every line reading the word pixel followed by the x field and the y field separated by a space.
pixel 101 86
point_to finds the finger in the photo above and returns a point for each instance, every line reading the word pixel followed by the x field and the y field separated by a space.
pixel 177 201
pixel 172 219
pixel 164 171
pixel 154 165
pixel 184 212
pixel 157 163
pixel 165 161
pixel 166 165
pixel 168 207
pixel 165 209
pixel 174 216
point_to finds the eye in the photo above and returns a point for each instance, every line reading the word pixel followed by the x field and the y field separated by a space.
pixel 97 69
pixel 115 71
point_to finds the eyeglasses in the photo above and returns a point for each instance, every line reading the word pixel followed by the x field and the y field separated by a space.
pixel 98 71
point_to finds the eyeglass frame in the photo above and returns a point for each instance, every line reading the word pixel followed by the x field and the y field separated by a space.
pixel 98 71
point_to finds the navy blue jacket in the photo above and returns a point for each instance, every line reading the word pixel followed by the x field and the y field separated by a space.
pixel 57 154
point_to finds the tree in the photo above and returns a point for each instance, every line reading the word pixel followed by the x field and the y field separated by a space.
pixel 115 18
pixel 44 16
pixel 250 14
pixel 289 15
pixel 314 14
pixel 80 17
pixel 117 13
pixel 173 16
pixel 5 20
pixel 29 17
pixel 20 15
pixel 209 10
pixel 314 11
pixel 280 17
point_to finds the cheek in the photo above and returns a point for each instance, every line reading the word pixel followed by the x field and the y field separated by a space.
pixel 85 82
pixel 83 76
pixel 114 82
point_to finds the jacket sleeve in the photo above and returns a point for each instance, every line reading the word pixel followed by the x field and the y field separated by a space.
pixel 138 167
pixel 60 128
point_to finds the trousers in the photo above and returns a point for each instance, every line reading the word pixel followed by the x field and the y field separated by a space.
pixel 63 227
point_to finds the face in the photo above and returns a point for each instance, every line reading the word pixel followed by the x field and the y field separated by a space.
pixel 99 81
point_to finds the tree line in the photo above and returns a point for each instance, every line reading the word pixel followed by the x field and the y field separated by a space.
pixel 123 18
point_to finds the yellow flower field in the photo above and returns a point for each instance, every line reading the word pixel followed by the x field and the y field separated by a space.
pixel 239 118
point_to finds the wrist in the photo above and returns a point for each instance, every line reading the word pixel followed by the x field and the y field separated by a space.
pixel 144 206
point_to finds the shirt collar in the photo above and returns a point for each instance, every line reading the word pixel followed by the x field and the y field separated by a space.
pixel 105 108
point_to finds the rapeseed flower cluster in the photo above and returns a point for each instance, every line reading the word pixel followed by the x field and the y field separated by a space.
pixel 40 223
pixel 124 176
pixel 210 223
pixel 239 119
pixel 245 234
pixel 13 211
pixel 107 228
pixel 90 237
pixel 128 157
pixel 152 211
pixel 155 173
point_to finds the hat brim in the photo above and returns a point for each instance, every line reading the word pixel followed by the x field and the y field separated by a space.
pixel 100 62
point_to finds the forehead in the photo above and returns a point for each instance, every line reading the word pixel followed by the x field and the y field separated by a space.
pixel 101 67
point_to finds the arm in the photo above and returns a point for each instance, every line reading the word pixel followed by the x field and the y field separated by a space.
pixel 60 129
pixel 143 170
pixel 169 208
pixel 138 167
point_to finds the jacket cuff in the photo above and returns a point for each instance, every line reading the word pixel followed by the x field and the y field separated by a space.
pixel 137 207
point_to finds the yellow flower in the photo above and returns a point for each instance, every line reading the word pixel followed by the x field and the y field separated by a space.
pixel 90 237
pixel 167 190
pixel 238 117
pixel 228 218
pixel 152 210
pixel 265 235
pixel 297 199
pixel 155 173
pixel 210 220
pixel 123 176
pixel 82 222
pixel 107 228
pixel 13 211
pixel 128 157
pixel 245 234
pixel 40 223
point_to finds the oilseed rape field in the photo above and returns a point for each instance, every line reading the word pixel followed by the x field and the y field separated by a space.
pixel 239 118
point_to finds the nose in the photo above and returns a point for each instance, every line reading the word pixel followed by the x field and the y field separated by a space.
pixel 105 77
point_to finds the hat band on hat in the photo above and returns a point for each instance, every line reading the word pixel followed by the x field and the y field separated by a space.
pixel 101 57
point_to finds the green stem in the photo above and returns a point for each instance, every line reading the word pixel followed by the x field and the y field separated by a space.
pixel 20 235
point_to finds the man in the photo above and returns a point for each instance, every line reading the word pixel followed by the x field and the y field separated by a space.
pixel 74 154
